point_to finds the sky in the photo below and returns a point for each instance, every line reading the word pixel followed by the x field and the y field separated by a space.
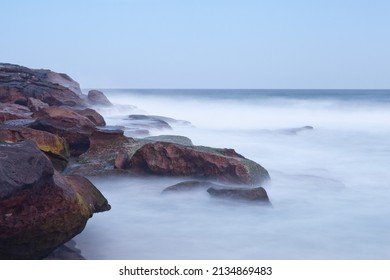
pixel 325 44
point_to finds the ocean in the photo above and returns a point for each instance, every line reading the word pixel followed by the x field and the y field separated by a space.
pixel 329 187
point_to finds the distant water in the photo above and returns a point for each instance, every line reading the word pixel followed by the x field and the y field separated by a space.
pixel 330 186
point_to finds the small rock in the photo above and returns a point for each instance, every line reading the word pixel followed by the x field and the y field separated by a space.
pixel 190 185
pixel 248 194
pixel 96 97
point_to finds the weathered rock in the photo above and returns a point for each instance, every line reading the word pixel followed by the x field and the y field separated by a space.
pixel 147 122
pixel 170 120
pixel 190 186
pixel 13 112
pixel 93 116
pixel 22 166
pixel 248 194
pixel 61 79
pixel 90 195
pixel 40 209
pixel 19 122
pixel 170 159
pixel 54 146
pixel 105 143
pixel 36 105
pixel 18 83
pixel 96 97
pixel 106 136
pixel 182 140
pixel 68 124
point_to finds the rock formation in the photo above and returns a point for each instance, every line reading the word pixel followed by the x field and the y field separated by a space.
pixel 18 83
pixel 40 209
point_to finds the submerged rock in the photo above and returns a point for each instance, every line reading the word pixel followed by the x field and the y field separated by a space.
pixel 248 194
pixel 190 186
pixel 40 209
pixel 147 122
pixel 18 83
pixel 296 130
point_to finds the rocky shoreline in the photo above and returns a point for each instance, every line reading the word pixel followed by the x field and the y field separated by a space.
pixel 51 136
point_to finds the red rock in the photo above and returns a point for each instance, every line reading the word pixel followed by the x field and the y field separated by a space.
pixel 93 116
pixel 18 83
pixel 171 159
pixel 40 209
pixel 68 124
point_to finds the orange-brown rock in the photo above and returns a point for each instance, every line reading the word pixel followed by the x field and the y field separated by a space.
pixel 93 116
pixel 172 159
pixel 40 209
pixel 68 124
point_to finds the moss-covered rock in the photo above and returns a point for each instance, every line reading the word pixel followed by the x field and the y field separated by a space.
pixel 39 208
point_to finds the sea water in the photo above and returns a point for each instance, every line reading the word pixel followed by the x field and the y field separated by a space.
pixel 329 188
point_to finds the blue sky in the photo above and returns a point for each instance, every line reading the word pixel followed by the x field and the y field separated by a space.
pixel 202 43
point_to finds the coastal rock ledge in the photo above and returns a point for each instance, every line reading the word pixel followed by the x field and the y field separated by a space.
pixel 39 208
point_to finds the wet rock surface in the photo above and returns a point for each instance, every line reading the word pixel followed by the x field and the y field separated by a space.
pixel 169 159
pixel 67 123
pixel 40 209
pixel 18 83
pixel 245 194
pixel 53 146
pixel 190 186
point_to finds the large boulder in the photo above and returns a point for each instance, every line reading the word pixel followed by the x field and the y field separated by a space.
pixel 13 112
pixel 40 209
pixel 18 83
pixel 111 152
pixel 68 124
pixel 96 97
pixel 169 159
